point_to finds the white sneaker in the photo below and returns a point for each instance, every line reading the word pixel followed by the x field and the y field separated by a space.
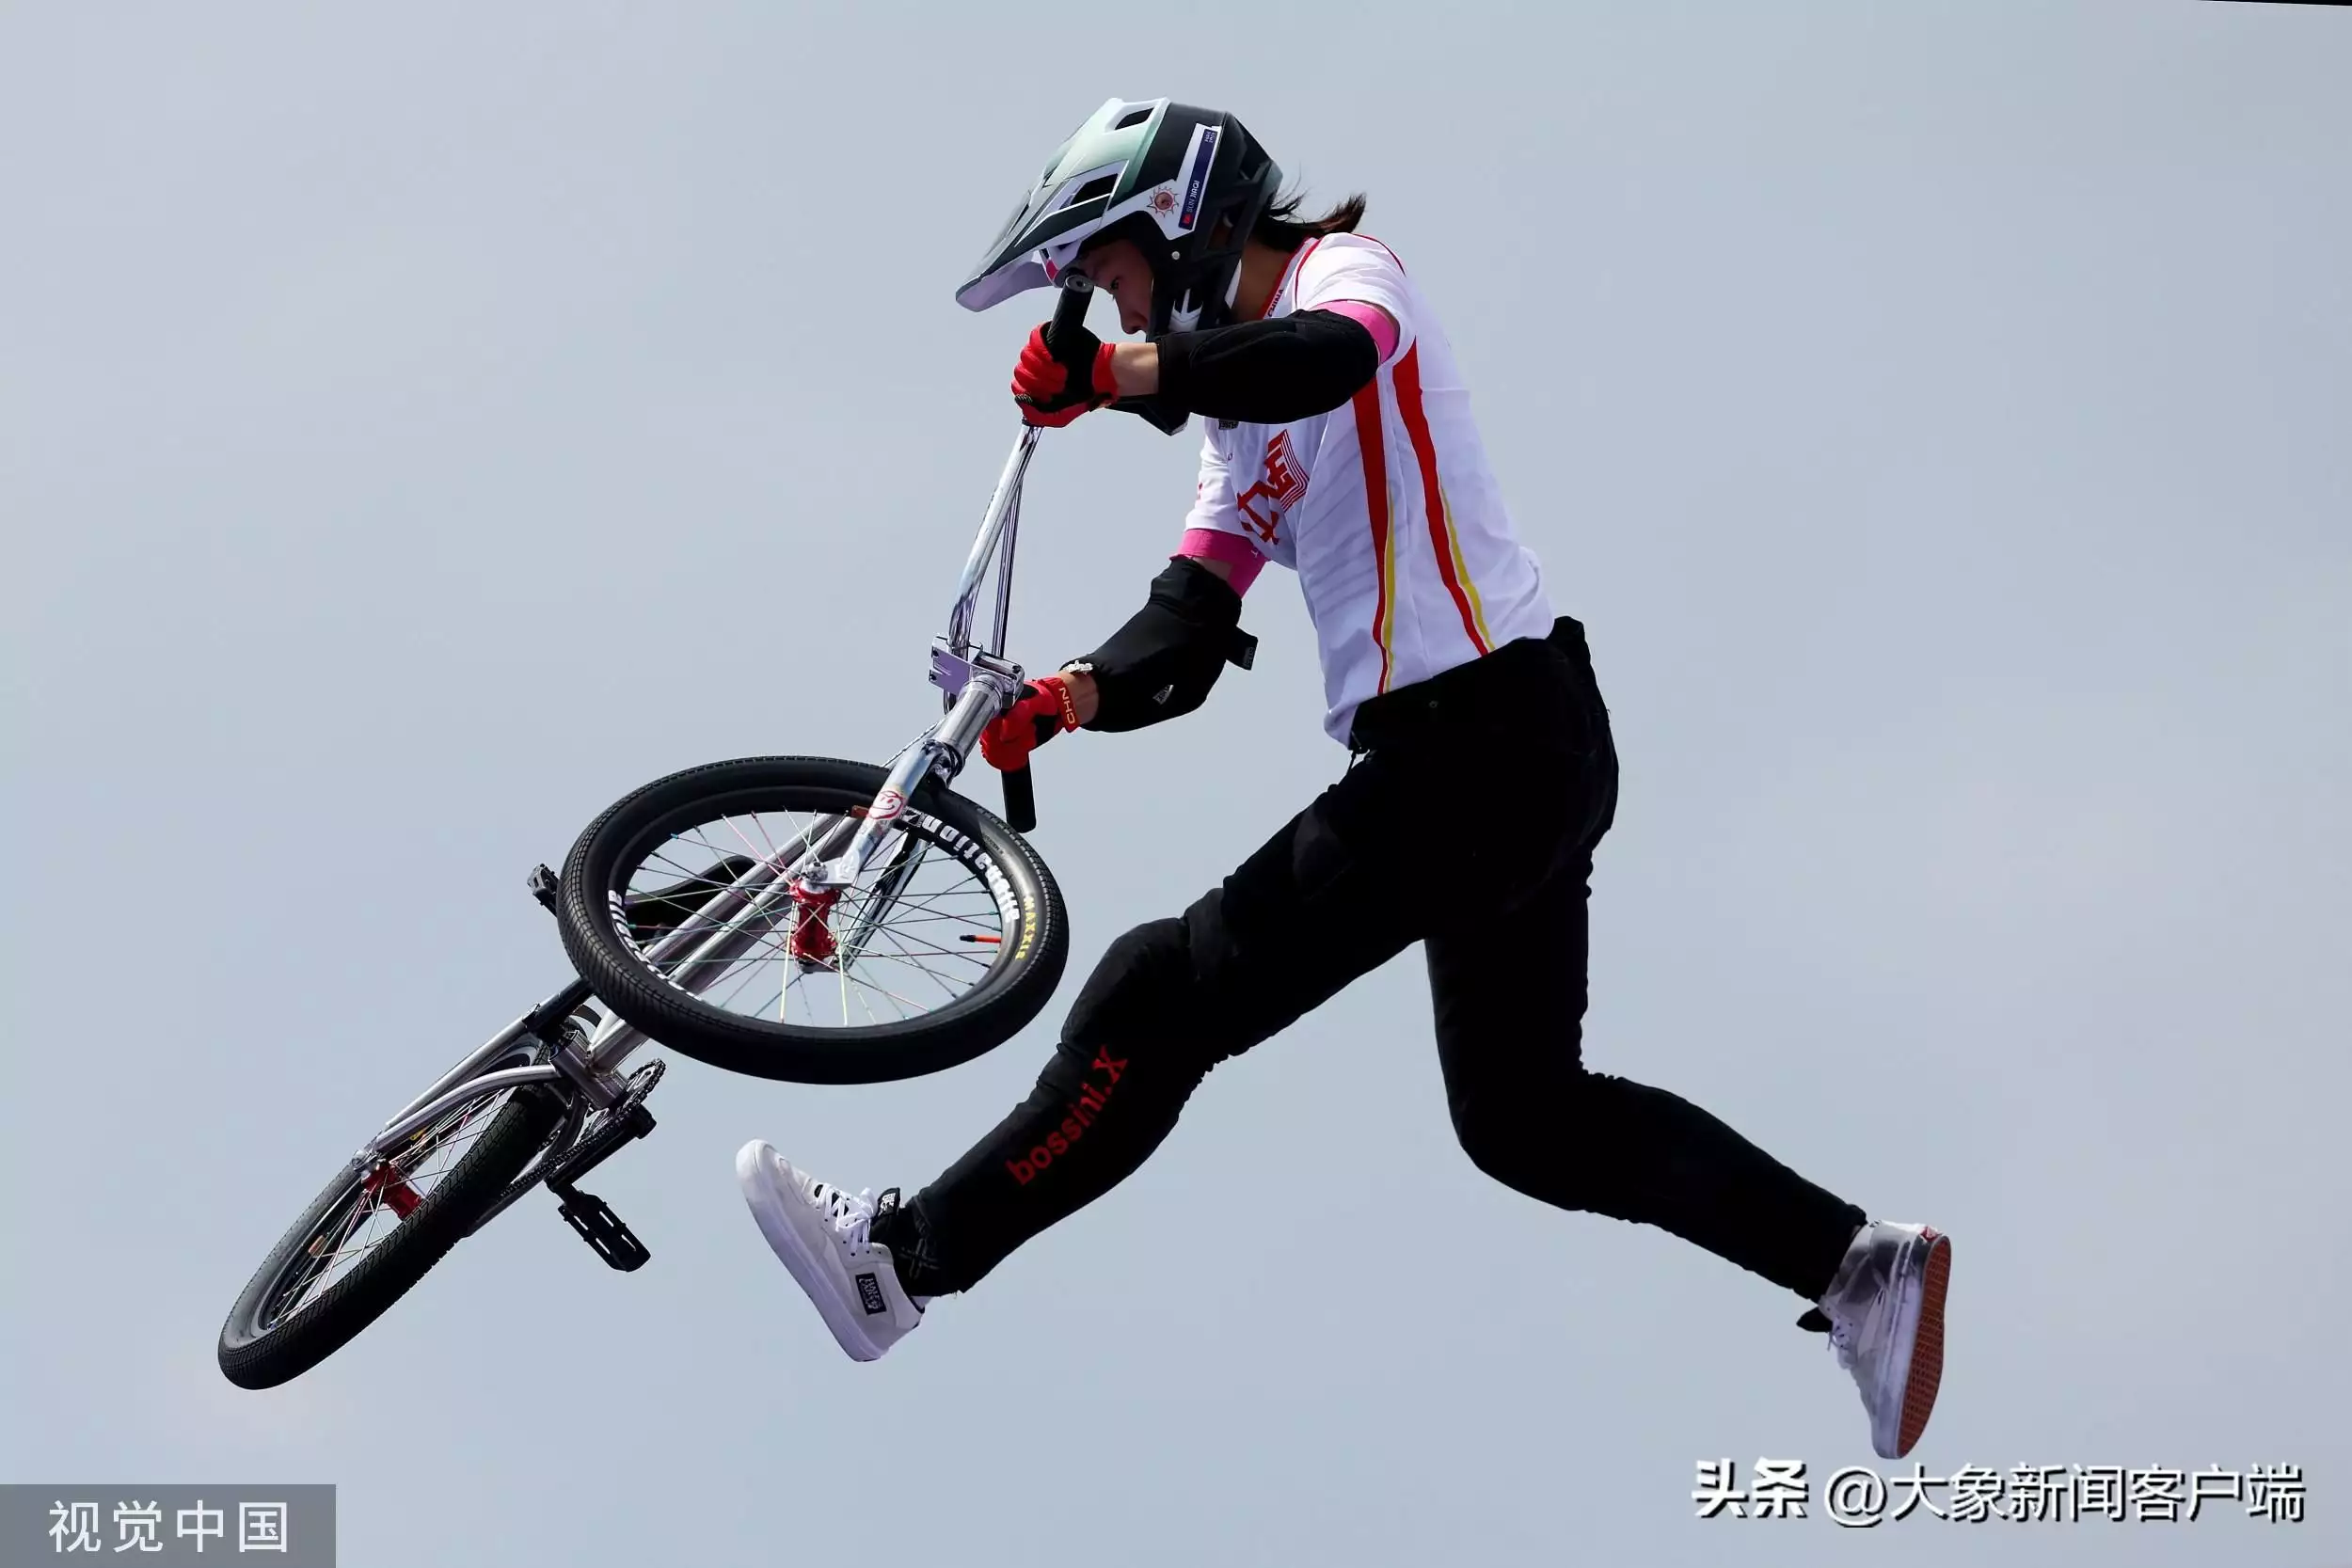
pixel 821 1234
pixel 1885 1311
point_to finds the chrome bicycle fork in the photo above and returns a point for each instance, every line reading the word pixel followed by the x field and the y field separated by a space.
pixel 975 682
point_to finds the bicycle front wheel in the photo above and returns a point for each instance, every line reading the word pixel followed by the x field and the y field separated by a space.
pixel 950 942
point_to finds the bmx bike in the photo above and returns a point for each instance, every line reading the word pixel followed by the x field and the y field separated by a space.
pixel 798 918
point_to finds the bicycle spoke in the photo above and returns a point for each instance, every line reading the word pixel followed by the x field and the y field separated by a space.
pixel 924 969
pixel 750 969
pixel 884 990
pixel 866 1005
pixel 888 993
pixel 697 876
pixel 899 941
pixel 339 1245
pixel 895 928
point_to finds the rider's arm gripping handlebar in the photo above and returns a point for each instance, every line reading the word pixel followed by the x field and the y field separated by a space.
pixel 1069 311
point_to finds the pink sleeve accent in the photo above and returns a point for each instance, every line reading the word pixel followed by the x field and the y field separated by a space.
pixel 1232 548
pixel 1370 316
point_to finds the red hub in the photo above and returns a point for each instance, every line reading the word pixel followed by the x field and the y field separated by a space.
pixel 812 940
pixel 388 1184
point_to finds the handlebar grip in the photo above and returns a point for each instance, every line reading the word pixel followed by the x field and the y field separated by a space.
pixel 1020 801
pixel 1070 310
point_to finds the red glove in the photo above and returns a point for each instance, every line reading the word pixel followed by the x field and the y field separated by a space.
pixel 1055 384
pixel 1044 711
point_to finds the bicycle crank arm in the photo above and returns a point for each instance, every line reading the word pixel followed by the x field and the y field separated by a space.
pixel 626 1121
pixel 590 1216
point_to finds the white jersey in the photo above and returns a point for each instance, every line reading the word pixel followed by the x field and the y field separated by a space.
pixel 1385 507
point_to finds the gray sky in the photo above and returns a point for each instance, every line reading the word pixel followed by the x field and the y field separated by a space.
pixel 1936 413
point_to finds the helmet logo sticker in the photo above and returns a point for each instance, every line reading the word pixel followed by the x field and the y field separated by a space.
pixel 1163 200
pixel 1198 158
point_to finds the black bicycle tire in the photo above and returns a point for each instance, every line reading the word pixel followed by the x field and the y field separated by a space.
pixel 969 1027
pixel 264 1358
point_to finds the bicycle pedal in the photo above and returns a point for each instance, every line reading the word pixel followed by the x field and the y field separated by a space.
pixel 604 1231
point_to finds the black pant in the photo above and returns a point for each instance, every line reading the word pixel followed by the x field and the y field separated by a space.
pixel 1467 822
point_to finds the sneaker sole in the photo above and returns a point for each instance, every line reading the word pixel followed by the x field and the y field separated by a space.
pixel 773 1211
pixel 1925 1374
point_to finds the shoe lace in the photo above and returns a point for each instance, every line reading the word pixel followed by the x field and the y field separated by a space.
pixel 1841 1340
pixel 851 1217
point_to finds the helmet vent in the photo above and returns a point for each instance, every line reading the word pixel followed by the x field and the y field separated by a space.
pixel 1099 186
pixel 1132 116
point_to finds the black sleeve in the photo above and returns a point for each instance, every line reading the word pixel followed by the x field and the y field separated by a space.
pixel 1267 372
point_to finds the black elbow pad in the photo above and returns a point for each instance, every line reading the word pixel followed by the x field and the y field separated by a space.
pixel 1268 371
pixel 1164 660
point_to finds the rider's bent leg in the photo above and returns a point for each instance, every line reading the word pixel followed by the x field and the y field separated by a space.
pixel 1109 1094
pixel 1169 1000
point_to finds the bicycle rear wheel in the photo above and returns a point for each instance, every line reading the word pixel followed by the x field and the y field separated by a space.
pixel 376 1229
pixel 948 946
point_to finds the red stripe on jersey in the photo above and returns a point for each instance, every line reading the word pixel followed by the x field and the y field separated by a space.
pixel 1384 244
pixel 1373 446
pixel 1433 499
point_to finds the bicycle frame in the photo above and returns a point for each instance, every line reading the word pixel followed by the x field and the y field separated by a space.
pixel 977 683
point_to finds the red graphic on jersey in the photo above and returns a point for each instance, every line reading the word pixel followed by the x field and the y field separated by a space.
pixel 1278 492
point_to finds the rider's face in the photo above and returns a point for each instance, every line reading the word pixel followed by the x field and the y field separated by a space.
pixel 1118 269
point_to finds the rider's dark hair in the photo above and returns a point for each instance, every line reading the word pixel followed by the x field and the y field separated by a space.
pixel 1280 225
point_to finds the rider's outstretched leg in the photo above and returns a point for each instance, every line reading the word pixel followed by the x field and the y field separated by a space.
pixel 1530 1115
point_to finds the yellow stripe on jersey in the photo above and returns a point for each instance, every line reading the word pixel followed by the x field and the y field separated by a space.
pixel 1461 570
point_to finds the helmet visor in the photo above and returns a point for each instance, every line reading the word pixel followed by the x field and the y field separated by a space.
pixel 1089 174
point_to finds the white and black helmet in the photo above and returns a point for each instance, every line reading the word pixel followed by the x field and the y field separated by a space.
pixel 1186 185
